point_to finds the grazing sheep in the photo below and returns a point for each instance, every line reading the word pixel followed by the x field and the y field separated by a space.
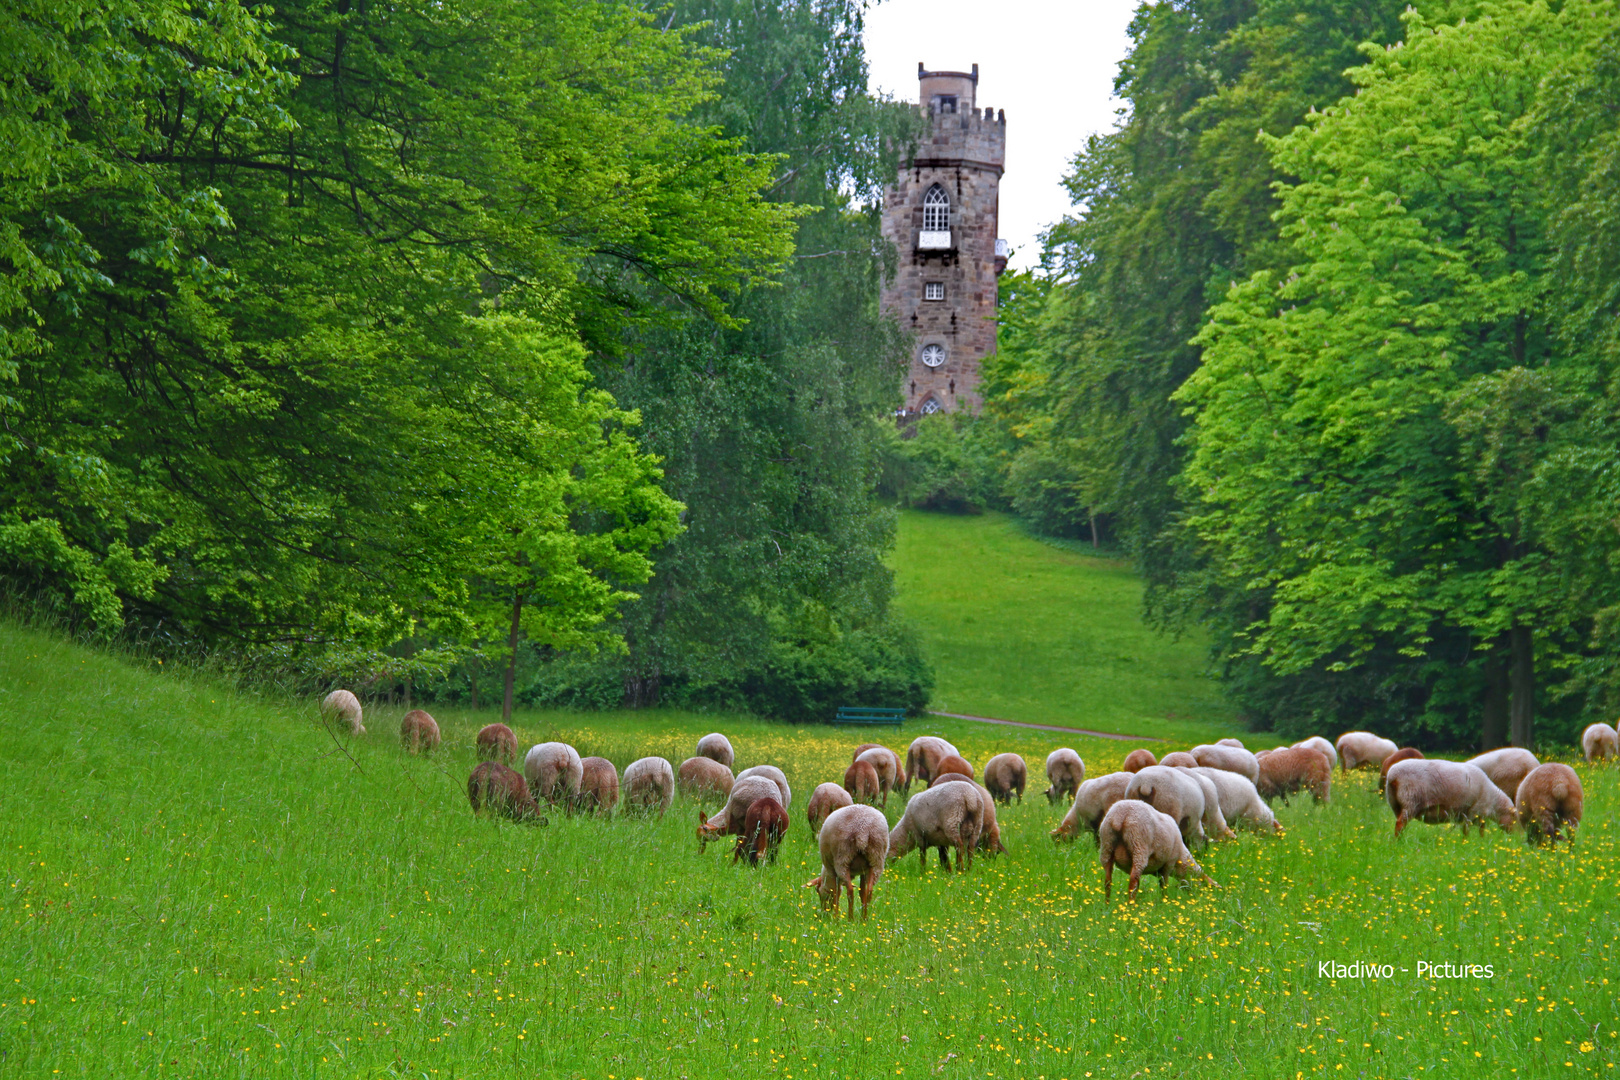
pixel 1179 760
pixel 1177 792
pixel 730 820
pixel 1139 759
pixel 854 842
pixel 649 784
pixel 949 816
pixel 990 833
pixel 419 732
pixel 823 801
pixel 1236 743
pixel 497 741
pixel 501 789
pixel 1065 772
pixel 344 707
pixel 1136 837
pixel 1600 741
pixel 922 756
pixel 1405 753
pixel 1358 748
pixel 553 770
pixel 1004 775
pixel 703 778
pixel 776 777
pixel 1283 772
pixel 598 785
pixel 1231 758
pixel 886 764
pixel 762 831
pixel 955 763
pixel 1506 767
pixel 949 777
pixel 716 747
pixel 1437 791
pixel 1091 802
pixel 1550 796
pixel 861 781
pixel 1239 800
pixel 1321 746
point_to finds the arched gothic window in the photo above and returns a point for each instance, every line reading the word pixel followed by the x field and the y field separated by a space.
pixel 930 406
pixel 936 210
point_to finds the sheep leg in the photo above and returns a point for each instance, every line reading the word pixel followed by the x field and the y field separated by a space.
pixel 1400 822
pixel 1108 879
pixel 849 886
pixel 1136 880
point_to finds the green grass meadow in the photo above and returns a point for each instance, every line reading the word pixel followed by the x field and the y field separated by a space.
pixel 199 883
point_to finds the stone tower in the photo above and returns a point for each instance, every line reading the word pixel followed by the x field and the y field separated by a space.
pixel 941 215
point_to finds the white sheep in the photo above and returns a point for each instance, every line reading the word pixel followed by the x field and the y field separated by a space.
pixel 649 784
pixel 1091 802
pixel 553 770
pixel 1240 800
pixel 1600 741
pixel 1141 839
pixel 343 706
pixel 1231 758
pixel 1358 748
pixel 716 747
pixel 730 820
pixel 1321 746
pixel 1065 772
pixel 1507 767
pixel 1437 791
pixel 824 800
pixel 1005 775
pixel 854 842
pixel 922 756
pixel 886 764
pixel 1237 743
pixel 776 776
pixel 1177 792
pixel 948 816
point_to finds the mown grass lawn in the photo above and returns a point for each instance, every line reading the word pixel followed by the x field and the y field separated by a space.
pixel 199 884
pixel 1021 630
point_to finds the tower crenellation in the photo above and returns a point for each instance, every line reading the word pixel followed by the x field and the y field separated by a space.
pixel 942 216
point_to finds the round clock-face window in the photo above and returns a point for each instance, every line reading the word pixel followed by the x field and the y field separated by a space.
pixel 933 355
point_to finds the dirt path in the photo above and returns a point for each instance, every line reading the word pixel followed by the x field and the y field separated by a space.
pixel 1049 727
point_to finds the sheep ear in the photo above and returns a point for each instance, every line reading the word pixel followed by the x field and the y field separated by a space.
pixel 703 819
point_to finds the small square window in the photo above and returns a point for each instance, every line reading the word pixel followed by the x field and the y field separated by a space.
pixel 934 290
pixel 947 103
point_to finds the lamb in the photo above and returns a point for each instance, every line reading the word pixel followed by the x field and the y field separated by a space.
pixel 716 747
pixel 1600 741
pixel 1135 836
pixel 497 741
pixel 1065 772
pixel 854 842
pixel 949 816
pixel 861 781
pixel 419 732
pixel 649 784
pixel 1405 753
pixel 731 819
pixel 1091 803
pixel 922 757
pixel 1179 760
pixel 553 770
pixel 1321 746
pixel 886 764
pixel 501 789
pixel 1231 758
pixel 954 763
pixel 1139 759
pixel 1177 792
pixel 776 777
pixel 1005 774
pixel 762 831
pixel 703 777
pixel 598 786
pixel 1550 796
pixel 1283 772
pixel 1234 743
pixel 342 706
pixel 1506 767
pixel 1239 800
pixel 1358 748
pixel 1437 791
pixel 823 801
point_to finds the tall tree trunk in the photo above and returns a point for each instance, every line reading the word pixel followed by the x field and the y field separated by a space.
pixel 1093 517
pixel 1524 686
pixel 472 677
pixel 511 660
pixel 1494 730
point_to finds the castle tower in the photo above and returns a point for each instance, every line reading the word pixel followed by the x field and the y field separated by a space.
pixel 941 214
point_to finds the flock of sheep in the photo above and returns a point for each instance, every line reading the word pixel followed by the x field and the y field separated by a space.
pixel 1146 818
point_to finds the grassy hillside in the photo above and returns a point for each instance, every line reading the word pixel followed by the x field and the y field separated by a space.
pixel 1021 630
pixel 200 884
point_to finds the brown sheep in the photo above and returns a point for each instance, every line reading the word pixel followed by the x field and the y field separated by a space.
pixel 763 827
pixel 823 801
pixel 1283 772
pixel 1137 760
pixel 886 763
pixel 1436 791
pixel 1181 759
pixel 343 707
pixel 497 741
pixel 948 777
pixel 716 747
pixel 1506 767
pixel 598 786
pixel 1405 753
pixel 1065 772
pixel 1135 837
pixel 854 842
pixel 1549 797
pixel 704 778
pixel 1004 775
pixel 419 732
pixel 922 758
pixel 501 789
pixel 954 763
pixel 861 781
pixel 730 820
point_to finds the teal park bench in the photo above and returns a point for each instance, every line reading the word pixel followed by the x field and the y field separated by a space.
pixel 861 716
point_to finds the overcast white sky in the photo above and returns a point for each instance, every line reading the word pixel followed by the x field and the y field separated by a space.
pixel 1049 63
